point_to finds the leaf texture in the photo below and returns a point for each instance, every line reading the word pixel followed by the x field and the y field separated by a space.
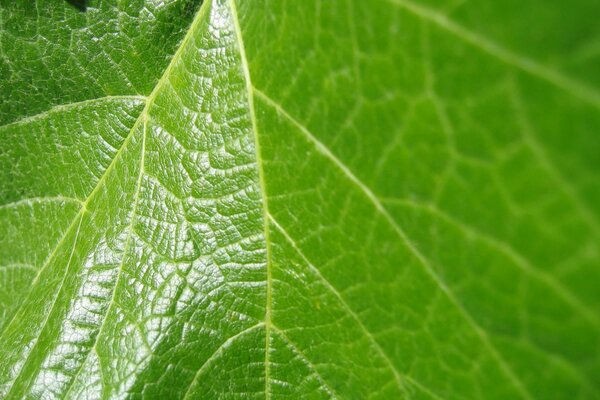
pixel 266 199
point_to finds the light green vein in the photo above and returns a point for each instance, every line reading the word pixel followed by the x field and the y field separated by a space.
pixel 19 266
pixel 69 106
pixel 40 200
pixel 531 139
pixel 397 376
pixel 521 261
pixel 345 305
pixel 123 257
pixel 505 248
pixel 49 313
pixel 83 209
pixel 523 63
pixel 263 190
pixel 306 361
pixel 141 118
pixel 321 148
pixel 220 350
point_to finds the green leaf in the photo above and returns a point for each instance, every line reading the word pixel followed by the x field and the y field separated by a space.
pixel 300 199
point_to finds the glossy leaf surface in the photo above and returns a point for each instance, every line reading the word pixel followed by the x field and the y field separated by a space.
pixel 300 199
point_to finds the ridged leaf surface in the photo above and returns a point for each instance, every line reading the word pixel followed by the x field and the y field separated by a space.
pixel 300 199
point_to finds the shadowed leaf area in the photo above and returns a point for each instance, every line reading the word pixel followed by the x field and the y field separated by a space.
pixel 79 4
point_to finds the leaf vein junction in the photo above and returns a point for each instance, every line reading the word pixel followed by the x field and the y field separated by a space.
pixel 419 256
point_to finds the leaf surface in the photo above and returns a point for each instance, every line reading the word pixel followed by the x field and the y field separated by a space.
pixel 266 199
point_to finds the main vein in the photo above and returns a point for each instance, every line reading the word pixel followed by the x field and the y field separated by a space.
pixel 263 189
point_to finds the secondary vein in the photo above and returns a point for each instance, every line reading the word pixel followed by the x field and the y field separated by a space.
pixel 141 119
pixel 525 64
pixel 423 261
pixel 65 107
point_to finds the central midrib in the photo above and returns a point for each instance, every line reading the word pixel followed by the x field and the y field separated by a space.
pixel 263 192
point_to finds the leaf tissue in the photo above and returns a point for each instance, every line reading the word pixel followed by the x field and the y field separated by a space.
pixel 345 199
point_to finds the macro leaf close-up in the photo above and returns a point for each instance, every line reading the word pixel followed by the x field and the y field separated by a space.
pixel 299 199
